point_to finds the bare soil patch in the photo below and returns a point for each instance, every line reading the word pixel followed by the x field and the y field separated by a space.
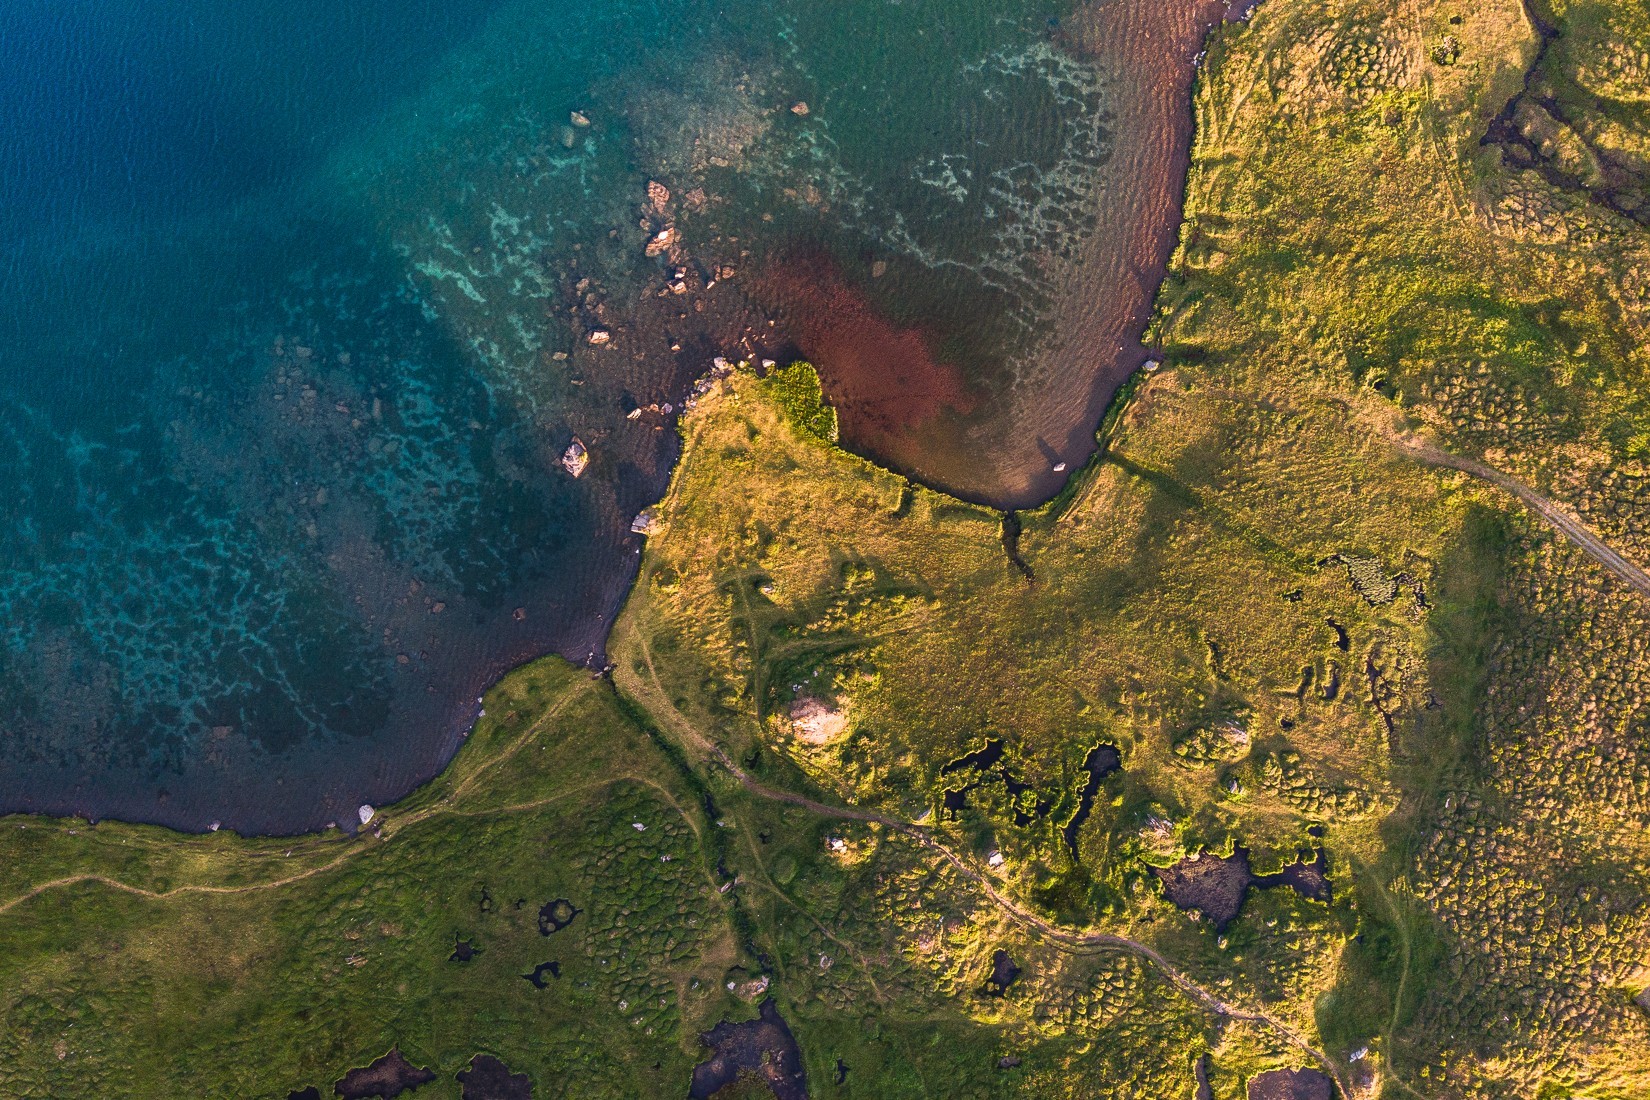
pixel 816 722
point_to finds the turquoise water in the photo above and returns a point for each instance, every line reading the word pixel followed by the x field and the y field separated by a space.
pixel 303 303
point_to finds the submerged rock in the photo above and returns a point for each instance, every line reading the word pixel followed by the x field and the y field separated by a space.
pixel 576 458
pixel 661 242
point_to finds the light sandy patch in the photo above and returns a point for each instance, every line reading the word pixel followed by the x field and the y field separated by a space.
pixel 815 722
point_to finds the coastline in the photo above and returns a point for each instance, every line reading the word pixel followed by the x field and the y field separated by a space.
pixel 1010 451
pixel 1080 451
pixel 1159 237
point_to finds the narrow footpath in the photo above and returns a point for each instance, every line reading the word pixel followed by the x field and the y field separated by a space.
pixel 1584 537
pixel 658 705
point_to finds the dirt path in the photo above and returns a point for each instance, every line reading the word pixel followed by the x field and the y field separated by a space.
pixel 664 711
pixel 1048 930
pixel 1385 422
pixel 660 707
pixel 442 806
pixel 1566 524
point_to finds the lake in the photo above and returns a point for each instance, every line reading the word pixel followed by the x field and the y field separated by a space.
pixel 304 305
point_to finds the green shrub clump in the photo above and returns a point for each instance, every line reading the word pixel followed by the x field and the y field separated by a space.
pixel 796 388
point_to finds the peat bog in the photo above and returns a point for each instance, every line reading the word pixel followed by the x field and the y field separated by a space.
pixel 1216 886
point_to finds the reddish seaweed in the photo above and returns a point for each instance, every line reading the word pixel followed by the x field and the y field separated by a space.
pixel 885 380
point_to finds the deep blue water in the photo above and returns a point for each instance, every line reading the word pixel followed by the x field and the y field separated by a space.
pixel 159 109
pixel 174 643
pixel 294 311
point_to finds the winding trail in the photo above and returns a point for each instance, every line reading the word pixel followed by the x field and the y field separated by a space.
pixel 1584 537
pixel 660 707
pixel 1384 422
pixel 443 805
pixel 1043 927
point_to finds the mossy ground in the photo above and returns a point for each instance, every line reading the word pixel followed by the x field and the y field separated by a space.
pixel 1184 586
pixel 1294 635
pixel 1250 554
pixel 223 966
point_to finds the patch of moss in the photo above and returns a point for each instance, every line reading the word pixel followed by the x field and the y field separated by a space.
pixel 797 390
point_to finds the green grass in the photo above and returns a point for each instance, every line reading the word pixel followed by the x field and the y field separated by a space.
pixel 1159 601
pixel 226 966
pixel 223 966
pixel 1349 248
pixel 796 388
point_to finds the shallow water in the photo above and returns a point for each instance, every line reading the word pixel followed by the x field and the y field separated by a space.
pixel 303 303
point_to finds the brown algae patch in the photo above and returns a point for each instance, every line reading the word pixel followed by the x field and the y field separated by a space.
pixel 885 380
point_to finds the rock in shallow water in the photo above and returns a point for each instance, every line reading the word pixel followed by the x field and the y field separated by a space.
pixel 576 458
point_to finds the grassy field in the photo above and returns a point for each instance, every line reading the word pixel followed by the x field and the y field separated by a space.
pixel 221 966
pixel 1176 609
pixel 1293 636
pixel 1279 622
